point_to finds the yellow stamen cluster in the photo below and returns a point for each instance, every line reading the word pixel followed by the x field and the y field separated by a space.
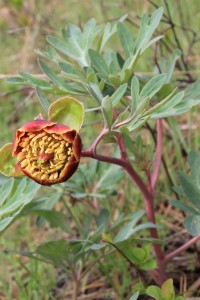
pixel 44 155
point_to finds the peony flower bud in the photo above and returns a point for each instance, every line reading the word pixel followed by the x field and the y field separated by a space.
pixel 46 151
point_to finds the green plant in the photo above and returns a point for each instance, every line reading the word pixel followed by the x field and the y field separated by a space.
pixel 107 84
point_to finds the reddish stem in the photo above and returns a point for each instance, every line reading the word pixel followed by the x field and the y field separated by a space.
pixel 98 139
pixel 148 201
pixel 122 146
pixel 174 253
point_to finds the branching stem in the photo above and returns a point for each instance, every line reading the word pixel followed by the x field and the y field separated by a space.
pixel 147 195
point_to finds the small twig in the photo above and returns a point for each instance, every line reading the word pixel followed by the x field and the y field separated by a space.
pixel 184 247
pixel 163 160
pixel 127 259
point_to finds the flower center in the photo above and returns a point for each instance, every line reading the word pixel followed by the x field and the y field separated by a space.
pixel 44 155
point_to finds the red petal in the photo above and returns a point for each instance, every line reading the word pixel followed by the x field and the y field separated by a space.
pixel 16 148
pixel 77 147
pixel 36 125
pixel 69 170
pixel 69 136
pixel 58 128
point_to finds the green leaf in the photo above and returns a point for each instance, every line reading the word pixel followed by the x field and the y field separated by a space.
pixel 155 20
pixel 8 163
pixel 136 254
pixel 182 206
pixel 55 218
pixel 171 64
pixel 155 292
pixel 108 33
pixel 147 28
pixel 194 162
pixel 107 111
pixel 56 252
pixel 126 231
pixel 138 124
pixel 5 222
pixel 16 80
pixel 67 111
pixel 193 90
pixel 43 100
pixel 126 39
pixel 167 290
pixel 149 265
pixel 89 33
pixel 20 189
pixel 5 190
pixel 35 81
pixel 57 80
pixel 190 189
pixel 135 90
pixel 99 63
pixel 17 198
pixel 102 219
pixel 70 48
pixel 166 106
pixel 106 179
pixel 154 40
pixel 118 94
pixel 128 67
pixel 153 86
pixel 192 224
pixel 134 296
pixel 70 69
pixel 91 76
pixel 94 91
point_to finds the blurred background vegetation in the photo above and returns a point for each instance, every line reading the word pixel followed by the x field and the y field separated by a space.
pixel 24 24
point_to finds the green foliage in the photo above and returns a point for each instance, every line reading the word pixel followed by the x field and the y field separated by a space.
pixel 14 199
pixel 166 292
pixel 110 84
pixel 67 111
pixel 19 198
pixel 101 75
pixel 135 296
pixel 7 162
pixel 190 189
pixel 98 175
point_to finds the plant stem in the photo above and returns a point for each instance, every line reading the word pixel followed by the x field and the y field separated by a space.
pixel 148 201
pixel 149 209
pixel 128 260
pixel 75 289
pixel 158 154
pixel 98 139
pixel 174 253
